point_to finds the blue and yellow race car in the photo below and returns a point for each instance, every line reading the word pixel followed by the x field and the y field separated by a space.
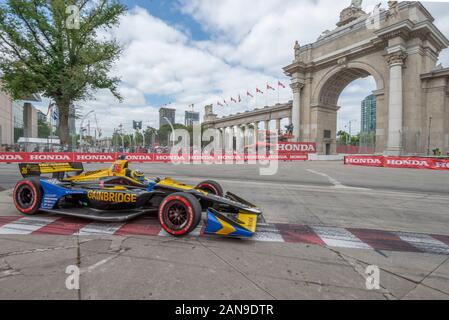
pixel 119 194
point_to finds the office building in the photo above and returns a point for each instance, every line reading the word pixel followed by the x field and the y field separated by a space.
pixel 167 116
pixel 368 109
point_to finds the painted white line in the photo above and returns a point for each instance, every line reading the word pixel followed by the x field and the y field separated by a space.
pixel 100 228
pixel 339 238
pixel 337 184
pixel 26 225
pixel 195 233
pixel 424 242
pixel 331 189
pixel 102 262
pixel 267 233
pixel 331 180
pixel 163 233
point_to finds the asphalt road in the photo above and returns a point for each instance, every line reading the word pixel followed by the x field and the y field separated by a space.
pixel 322 194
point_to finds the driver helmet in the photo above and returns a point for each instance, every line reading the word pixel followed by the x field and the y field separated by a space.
pixel 138 175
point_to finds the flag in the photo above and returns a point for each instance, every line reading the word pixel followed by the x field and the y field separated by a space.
pixel 220 104
pixel 280 84
pixel 55 113
pixel 269 87
pixel 240 99
pixel 259 91
pixel 233 100
pixel 249 94
pixel 50 107
pixel 225 102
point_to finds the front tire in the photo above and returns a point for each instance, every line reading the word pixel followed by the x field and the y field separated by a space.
pixel 212 187
pixel 180 214
pixel 27 196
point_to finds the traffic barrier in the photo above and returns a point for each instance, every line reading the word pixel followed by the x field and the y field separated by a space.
pixel 398 162
pixel 36 157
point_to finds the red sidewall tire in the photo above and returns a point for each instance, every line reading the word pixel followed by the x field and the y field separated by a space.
pixel 211 187
pixel 193 211
pixel 36 190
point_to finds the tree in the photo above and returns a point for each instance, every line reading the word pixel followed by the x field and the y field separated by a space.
pixel 47 47
pixel 355 140
pixel 343 137
pixel 43 129
pixel 165 132
pixel 150 135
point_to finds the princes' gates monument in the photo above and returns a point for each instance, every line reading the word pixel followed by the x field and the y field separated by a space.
pixel 399 47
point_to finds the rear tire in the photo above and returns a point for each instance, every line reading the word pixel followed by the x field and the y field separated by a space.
pixel 211 186
pixel 180 214
pixel 27 196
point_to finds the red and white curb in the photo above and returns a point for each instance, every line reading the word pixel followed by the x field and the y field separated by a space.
pixel 336 237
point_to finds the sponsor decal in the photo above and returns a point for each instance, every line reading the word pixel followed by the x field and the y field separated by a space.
pixel 117 168
pixel 398 162
pixel 444 165
pixel 407 162
pixel 49 157
pixel 139 157
pixel 367 161
pixel 10 157
pixel 296 147
pixel 94 157
pixel 113 197
pixel 299 152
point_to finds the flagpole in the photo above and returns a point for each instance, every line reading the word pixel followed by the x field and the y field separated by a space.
pixel 255 99
pixel 278 92
pixel 268 93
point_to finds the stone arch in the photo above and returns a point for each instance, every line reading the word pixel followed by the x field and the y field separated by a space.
pixel 338 78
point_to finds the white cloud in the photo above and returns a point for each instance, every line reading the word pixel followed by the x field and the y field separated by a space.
pixel 250 41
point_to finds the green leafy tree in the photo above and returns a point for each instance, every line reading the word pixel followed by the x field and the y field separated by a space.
pixel 355 140
pixel 43 129
pixel 165 132
pixel 343 137
pixel 150 135
pixel 48 47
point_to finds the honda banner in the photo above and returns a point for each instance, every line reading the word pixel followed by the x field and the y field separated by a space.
pixel 296 147
pixel 18 157
pixel 398 162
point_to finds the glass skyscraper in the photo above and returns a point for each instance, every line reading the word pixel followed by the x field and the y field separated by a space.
pixel 369 114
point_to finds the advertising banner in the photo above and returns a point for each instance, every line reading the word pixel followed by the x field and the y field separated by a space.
pixel 296 147
pixel 19 157
pixel 398 162
pixel 367 161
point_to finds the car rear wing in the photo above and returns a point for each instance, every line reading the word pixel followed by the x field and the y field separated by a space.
pixel 37 169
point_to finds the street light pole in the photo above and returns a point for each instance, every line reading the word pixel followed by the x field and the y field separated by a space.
pixel 172 130
pixel 81 126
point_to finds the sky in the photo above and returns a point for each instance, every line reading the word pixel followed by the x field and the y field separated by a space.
pixel 183 52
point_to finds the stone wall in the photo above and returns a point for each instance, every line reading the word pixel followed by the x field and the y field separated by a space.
pixel 6 124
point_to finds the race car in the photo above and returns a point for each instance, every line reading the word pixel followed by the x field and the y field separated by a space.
pixel 119 194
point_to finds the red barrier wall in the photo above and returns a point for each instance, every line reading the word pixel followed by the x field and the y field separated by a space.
pixel 398 162
pixel 17 157
pixel 355 150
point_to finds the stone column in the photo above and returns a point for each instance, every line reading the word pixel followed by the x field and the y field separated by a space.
pixel 222 137
pixel 395 103
pixel 226 139
pixel 278 126
pixel 296 109
pixel 256 131
pixel 267 126
pixel 242 129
